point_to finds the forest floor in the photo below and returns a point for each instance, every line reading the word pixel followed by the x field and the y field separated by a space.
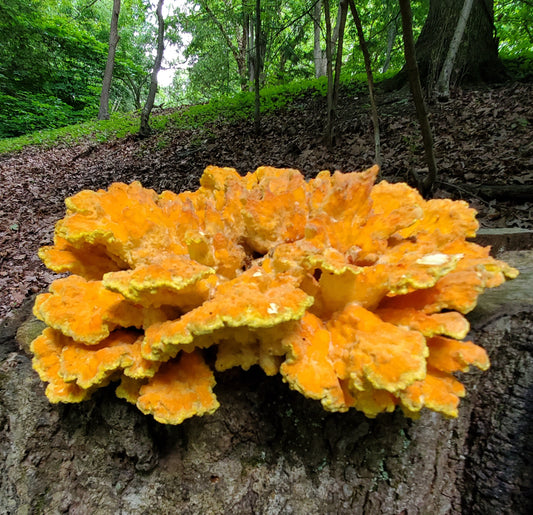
pixel 482 136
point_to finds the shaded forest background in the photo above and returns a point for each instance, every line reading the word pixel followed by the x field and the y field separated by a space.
pixel 54 54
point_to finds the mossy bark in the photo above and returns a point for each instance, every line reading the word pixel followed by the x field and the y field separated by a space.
pixel 268 450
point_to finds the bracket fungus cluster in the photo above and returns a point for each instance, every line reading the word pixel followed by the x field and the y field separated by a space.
pixel 353 292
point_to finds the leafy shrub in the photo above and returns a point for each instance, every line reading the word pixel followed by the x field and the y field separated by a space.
pixel 519 67
pixel 36 112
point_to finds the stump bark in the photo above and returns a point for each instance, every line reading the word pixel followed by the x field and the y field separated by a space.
pixel 268 450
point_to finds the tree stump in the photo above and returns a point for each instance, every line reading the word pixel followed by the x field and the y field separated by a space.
pixel 268 450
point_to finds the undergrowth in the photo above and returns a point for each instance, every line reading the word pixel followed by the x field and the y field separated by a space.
pixel 228 109
pixel 225 109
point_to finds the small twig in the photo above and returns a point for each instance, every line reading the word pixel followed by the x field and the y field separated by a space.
pixel 464 190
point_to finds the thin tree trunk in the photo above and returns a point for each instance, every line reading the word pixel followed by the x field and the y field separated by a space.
pixel 318 53
pixel 370 81
pixel 442 89
pixel 145 130
pixel 390 43
pixel 257 81
pixel 329 68
pixel 426 185
pixel 103 112
pixel 239 52
pixel 333 80
pixel 250 46
pixel 341 17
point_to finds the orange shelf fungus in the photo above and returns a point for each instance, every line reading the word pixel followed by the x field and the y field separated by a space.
pixel 353 292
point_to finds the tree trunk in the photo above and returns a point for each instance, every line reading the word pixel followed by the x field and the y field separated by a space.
pixel 426 185
pixel 318 54
pixel 329 68
pixel 341 17
pixel 370 81
pixel 135 88
pixel 240 50
pixel 145 130
pixel 269 450
pixel 334 78
pixel 391 36
pixel 103 112
pixel 477 59
pixel 442 88
pixel 257 78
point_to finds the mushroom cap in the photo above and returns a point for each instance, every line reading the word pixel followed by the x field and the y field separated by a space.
pixel 438 391
pixel 308 367
pixel 78 308
pixel 255 299
pixel 449 323
pixel 368 350
pixel 47 349
pixel 448 355
pixel 171 280
pixel 275 209
pixel 181 389
pixel 89 261
pixel 461 286
pixel 87 312
pixel 90 365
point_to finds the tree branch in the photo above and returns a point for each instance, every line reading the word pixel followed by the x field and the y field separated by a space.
pixel 225 35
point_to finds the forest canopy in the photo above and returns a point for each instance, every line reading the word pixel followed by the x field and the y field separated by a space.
pixel 53 53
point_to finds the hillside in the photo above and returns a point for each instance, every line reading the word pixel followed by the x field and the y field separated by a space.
pixel 482 136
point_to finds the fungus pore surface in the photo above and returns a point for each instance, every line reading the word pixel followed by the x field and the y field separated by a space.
pixel 355 293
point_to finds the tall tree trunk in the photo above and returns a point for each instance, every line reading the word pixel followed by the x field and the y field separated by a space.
pixel 329 69
pixel 442 88
pixel 250 46
pixel 370 81
pixel 257 78
pixel 240 50
pixel 145 130
pixel 103 112
pixel 320 56
pixel 341 17
pixel 477 59
pixel 391 36
pixel 426 185
pixel 318 53
pixel 334 78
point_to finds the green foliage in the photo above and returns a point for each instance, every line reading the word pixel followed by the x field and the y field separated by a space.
pixel 241 105
pixel 118 126
pixel 520 67
pixel 36 111
pixel 218 29
pixel 53 55
pixel 134 59
pixel 514 27
pixel 222 109
pixel 50 66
